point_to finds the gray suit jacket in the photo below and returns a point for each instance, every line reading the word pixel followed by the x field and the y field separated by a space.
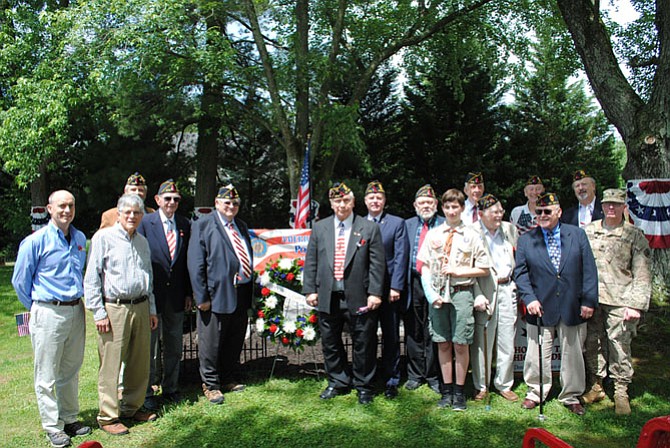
pixel 364 265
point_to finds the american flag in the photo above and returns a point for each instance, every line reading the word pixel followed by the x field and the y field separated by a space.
pixel 649 206
pixel 303 204
pixel 22 320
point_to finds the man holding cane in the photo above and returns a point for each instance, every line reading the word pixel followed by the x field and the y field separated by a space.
pixel 557 279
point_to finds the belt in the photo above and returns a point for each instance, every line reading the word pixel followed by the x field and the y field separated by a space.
pixel 126 301
pixel 459 288
pixel 74 302
pixel 504 281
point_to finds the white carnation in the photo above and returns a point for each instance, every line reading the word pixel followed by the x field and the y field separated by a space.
pixel 264 279
pixel 285 263
pixel 289 327
pixel 271 302
pixel 260 325
pixel 310 334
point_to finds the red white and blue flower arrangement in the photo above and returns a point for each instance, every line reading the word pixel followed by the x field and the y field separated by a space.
pixel 297 332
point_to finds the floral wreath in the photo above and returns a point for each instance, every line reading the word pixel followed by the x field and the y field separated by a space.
pixel 270 320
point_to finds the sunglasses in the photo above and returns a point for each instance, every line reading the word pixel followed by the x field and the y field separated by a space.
pixel 544 211
pixel 171 198
pixel 231 203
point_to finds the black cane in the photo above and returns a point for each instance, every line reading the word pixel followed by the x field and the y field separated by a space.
pixel 540 417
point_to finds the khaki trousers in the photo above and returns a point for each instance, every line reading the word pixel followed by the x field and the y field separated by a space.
pixel 128 342
pixel 572 375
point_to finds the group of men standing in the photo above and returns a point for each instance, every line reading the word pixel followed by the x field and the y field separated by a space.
pixel 454 281
pixel 142 273
pixel 457 282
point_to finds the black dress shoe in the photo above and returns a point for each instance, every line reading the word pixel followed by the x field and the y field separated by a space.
pixel 332 392
pixel 365 397
pixel 391 392
pixel 412 384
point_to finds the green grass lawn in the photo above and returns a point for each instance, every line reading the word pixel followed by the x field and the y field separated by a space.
pixel 288 413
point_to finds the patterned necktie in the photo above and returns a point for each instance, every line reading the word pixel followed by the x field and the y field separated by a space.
pixel 340 253
pixel 554 251
pixel 171 239
pixel 422 236
pixel 475 215
pixel 240 251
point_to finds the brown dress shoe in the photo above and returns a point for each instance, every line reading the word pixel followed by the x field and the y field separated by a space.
pixel 115 429
pixel 509 395
pixel 142 416
pixel 576 408
pixel 528 404
pixel 481 395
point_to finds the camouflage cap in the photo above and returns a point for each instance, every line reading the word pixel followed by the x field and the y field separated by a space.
pixel 338 190
pixel 486 201
pixel 375 187
pixel 614 195
pixel 169 186
pixel 136 179
pixel 547 199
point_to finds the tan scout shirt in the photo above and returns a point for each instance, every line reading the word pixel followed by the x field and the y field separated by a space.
pixel 623 259
pixel 467 250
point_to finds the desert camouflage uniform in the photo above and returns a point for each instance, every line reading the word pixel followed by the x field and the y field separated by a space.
pixel 624 281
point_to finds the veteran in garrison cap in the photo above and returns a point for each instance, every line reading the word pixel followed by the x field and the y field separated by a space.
pixel 624 284
pixel 523 216
pixel 474 190
pixel 422 364
pixel 220 265
pixel 557 280
pixel 136 184
pixel 589 207
pixel 343 278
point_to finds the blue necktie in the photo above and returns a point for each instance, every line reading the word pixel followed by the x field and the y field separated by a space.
pixel 554 251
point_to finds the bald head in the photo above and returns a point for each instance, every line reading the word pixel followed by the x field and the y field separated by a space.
pixel 61 209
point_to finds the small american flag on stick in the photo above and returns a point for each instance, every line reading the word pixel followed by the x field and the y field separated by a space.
pixel 22 320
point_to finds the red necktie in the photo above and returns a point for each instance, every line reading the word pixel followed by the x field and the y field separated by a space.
pixel 171 240
pixel 475 215
pixel 240 251
pixel 422 236
pixel 340 253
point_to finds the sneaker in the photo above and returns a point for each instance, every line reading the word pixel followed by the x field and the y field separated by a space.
pixel 214 396
pixel 76 429
pixel 459 403
pixel 58 439
pixel 446 401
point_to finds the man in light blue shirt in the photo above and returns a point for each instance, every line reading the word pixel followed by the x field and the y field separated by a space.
pixel 48 279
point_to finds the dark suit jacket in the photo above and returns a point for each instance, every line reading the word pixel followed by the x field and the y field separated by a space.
pixel 396 251
pixel 571 215
pixel 561 294
pixel 364 264
pixel 171 280
pixel 213 263
pixel 411 226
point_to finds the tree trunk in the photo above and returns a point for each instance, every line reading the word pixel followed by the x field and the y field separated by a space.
pixel 208 148
pixel 39 196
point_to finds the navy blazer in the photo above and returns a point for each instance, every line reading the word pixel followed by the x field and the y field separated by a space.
pixel 213 263
pixel 396 251
pixel 171 280
pixel 411 226
pixel 571 215
pixel 363 265
pixel 562 293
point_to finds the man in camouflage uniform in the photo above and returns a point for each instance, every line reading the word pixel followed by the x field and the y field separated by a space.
pixel 624 284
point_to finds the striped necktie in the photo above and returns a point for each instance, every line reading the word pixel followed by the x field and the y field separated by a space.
pixel 240 251
pixel 340 254
pixel 171 239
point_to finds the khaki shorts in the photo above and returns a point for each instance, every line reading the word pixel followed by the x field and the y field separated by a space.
pixel 455 321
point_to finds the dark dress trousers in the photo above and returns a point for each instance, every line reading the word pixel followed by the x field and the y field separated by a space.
pixel 571 215
pixel 213 266
pixel 363 275
pixel 422 365
pixel 396 251
pixel 171 286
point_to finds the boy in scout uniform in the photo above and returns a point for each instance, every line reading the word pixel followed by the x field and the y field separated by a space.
pixel 624 284
pixel 450 259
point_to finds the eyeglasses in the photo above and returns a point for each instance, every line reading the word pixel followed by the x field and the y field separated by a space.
pixel 171 198
pixel 544 211
pixel 231 203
